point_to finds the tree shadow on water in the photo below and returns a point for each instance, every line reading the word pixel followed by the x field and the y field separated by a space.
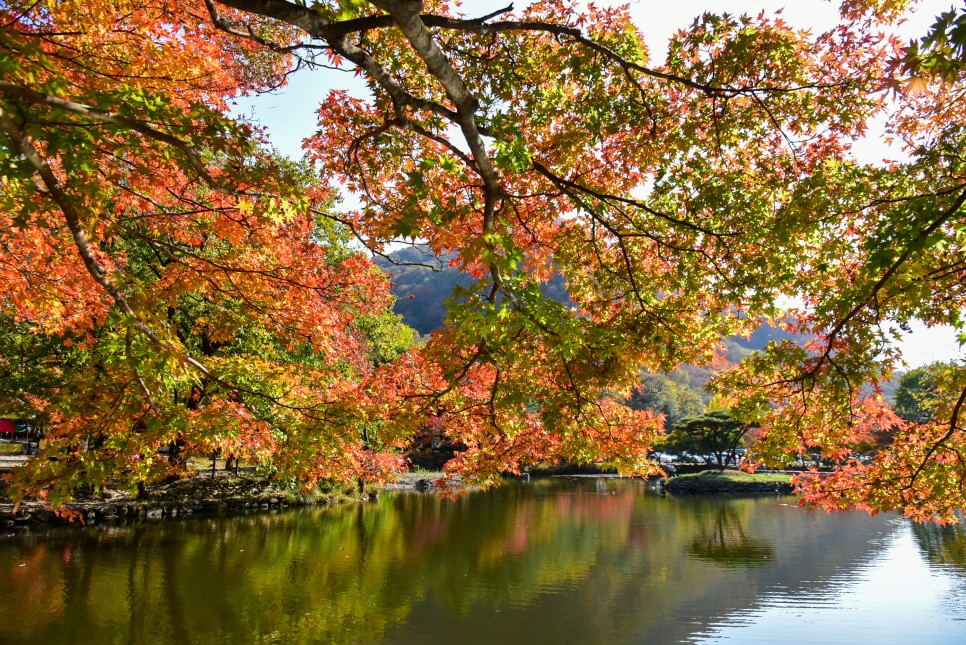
pixel 724 541
pixel 943 545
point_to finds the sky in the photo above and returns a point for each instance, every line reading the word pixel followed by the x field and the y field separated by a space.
pixel 289 115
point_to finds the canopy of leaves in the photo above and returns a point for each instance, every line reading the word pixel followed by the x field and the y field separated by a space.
pixel 940 54
pixel 681 202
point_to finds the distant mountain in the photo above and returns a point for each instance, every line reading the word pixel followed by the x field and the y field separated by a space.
pixel 421 290
pixel 422 283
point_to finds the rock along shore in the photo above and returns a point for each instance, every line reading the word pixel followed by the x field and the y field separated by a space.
pixel 711 484
pixel 200 494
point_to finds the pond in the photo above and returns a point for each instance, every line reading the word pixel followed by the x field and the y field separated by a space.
pixel 552 561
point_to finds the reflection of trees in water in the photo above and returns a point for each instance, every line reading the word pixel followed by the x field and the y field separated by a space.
pixel 340 575
pixel 943 545
pixel 724 541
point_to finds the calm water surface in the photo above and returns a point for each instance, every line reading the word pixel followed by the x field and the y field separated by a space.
pixel 554 561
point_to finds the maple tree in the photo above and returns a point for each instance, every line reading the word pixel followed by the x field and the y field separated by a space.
pixel 681 202
pixel 200 298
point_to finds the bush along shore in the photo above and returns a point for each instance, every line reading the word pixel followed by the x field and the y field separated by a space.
pixel 199 494
pixel 729 481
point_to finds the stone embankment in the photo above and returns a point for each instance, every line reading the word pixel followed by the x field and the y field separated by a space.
pixel 201 494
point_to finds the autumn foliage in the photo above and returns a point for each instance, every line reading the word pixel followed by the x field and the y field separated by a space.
pixel 178 284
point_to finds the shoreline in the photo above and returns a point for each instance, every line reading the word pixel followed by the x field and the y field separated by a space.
pixel 204 494
pixel 200 494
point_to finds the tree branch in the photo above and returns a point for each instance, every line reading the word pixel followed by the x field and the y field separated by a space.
pixel 33 96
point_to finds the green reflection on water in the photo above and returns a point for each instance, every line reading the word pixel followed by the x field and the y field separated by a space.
pixel 725 541
pixel 552 561
pixel 943 545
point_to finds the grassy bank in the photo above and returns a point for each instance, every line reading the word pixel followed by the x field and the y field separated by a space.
pixel 729 481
